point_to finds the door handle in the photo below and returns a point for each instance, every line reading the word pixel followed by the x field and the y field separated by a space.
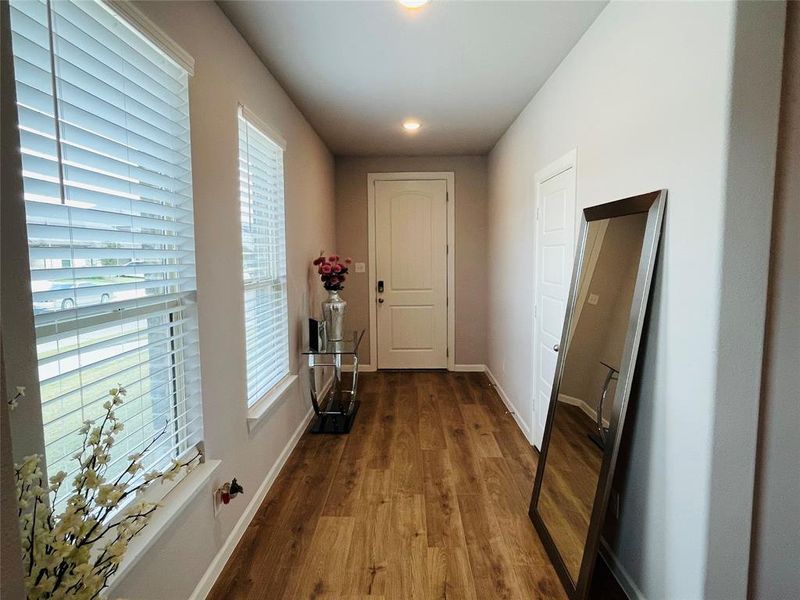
pixel 555 347
pixel 380 300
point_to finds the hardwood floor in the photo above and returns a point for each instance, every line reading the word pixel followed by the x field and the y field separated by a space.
pixel 427 497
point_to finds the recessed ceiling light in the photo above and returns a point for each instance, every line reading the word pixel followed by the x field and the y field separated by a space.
pixel 411 125
pixel 413 3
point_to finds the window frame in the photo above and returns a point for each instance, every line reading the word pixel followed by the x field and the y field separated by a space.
pixel 264 401
pixel 100 314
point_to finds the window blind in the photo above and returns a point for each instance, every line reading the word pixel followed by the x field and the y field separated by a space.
pixel 263 259
pixel 104 131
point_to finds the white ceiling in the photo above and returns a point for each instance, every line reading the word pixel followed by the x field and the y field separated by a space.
pixel 464 69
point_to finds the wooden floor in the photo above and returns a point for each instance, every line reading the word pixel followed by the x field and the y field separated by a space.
pixel 427 497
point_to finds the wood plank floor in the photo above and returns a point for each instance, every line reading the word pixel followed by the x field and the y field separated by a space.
pixel 427 498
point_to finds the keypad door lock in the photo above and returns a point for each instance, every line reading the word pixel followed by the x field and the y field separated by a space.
pixel 380 287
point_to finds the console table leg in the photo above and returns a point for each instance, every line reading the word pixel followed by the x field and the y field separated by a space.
pixel 312 383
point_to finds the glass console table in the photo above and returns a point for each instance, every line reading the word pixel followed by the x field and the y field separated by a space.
pixel 337 410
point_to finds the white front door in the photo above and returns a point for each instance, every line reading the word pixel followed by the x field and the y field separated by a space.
pixel 555 243
pixel 411 273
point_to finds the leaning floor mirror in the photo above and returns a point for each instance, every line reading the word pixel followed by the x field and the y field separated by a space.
pixel 594 372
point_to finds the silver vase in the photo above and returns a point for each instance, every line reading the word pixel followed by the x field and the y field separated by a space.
pixel 333 314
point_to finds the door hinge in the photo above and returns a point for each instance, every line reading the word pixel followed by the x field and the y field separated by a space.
pixel 447 353
pixel 447 196
pixel 447 248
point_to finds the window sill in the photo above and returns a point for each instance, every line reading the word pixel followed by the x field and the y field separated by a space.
pixel 269 402
pixel 172 504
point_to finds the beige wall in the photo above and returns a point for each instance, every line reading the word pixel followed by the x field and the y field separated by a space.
pixel 470 241
pixel 682 96
pixel 776 529
pixel 227 72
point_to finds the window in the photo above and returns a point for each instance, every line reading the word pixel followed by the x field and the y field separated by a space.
pixel 104 130
pixel 263 258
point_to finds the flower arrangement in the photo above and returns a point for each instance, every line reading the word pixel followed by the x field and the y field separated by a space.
pixel 332 271
pixel 73 554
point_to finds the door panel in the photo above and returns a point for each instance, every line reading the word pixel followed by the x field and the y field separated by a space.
pixel 411 241
pixel 412 327
pixel 552 314
pixel 555 243
pixel 411 260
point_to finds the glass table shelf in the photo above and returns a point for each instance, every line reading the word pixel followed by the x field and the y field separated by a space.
pixel 341 347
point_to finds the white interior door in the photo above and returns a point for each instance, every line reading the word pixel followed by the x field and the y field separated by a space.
pixel 411 273
pixel 555 243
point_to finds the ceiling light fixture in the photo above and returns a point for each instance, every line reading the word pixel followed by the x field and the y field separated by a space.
pixel 413 3
pixel 411 126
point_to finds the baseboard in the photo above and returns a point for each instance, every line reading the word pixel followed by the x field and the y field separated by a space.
pixel 625 581
pixel 526 431
pixel 469 368
pixel 221 559
pixel 571 400
pixel 587 410
pixel 361 368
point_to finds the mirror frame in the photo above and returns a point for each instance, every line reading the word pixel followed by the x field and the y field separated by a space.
pixel 654 204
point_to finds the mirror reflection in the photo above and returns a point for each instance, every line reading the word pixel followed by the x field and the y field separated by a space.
pixel 594 350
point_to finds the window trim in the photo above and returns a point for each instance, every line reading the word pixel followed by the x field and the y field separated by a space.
pixel 152 32
pixel 268 130
pixel 270 401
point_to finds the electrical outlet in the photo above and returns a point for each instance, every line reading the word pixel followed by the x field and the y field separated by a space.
pixel 593 299
pixel 225 493
pixel 361 267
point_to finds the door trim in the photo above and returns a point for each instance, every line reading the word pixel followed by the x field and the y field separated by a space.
pixel 449 178
pixel 555 168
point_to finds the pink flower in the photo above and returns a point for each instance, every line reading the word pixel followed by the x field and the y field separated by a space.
pixel 325 268
pixel 318 261
pixel 337 268
pixel 333 280
pixel 333 258
pixel 348 260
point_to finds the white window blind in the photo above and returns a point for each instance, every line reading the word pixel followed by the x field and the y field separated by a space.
pixel 263 259
pixel 104 130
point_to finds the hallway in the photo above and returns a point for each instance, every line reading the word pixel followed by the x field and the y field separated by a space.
pixel 545 221
pixel 429 500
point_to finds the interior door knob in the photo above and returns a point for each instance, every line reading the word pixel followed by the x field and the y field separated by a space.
pixel 380 300
pixel 555 347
